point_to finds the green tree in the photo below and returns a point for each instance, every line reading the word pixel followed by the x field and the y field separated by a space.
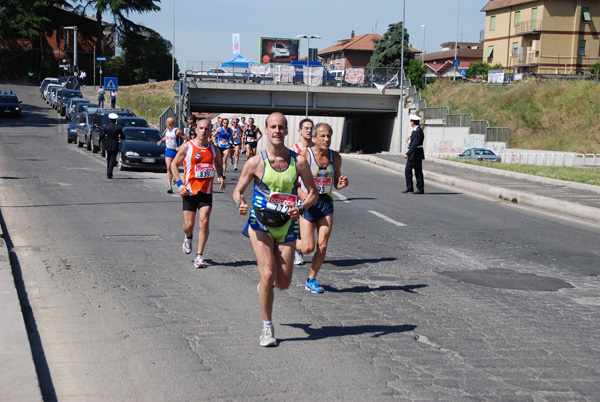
pixel 416 73
pixel 478 69
pixel 595 70
pixel 146 55
pixel 388 51
pixel 119 9
pixel 26 18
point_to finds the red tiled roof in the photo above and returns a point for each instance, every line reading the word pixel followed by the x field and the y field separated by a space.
pixel 449 54
pixel 364 42
pixel 497 4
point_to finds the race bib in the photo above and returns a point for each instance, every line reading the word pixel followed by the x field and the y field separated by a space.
pixel 250 139
pixel 288 200
pixel 223 143
pixel 171 144
pixel 204 171
pixel 323 184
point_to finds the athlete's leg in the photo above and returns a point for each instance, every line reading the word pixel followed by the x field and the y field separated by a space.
pixel 203 221
pixel 263 246
pixel 306 242
pixel 324 226
pixel 237 155
pixel 224 160
pixel 169 174
pixel 284 254
pixel 189 217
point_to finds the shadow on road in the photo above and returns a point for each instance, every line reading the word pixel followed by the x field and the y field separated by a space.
pixel 339 331
pixel 358 261
pixel 367 289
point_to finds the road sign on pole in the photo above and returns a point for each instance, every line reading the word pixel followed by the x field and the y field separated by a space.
pixel 111 84
pixel 101 58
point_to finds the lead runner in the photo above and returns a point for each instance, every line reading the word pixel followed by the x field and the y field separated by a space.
pixel 272 225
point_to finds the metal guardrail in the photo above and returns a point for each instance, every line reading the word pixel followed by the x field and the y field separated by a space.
pixel 479 127
pixel 436 112
pixel 162 119
pixel 196 71
pixel 459 120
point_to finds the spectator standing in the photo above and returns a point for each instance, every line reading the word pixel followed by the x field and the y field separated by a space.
pixel 113 99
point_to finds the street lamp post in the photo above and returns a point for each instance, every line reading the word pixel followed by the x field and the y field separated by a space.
pixel 423 54
pixel 456 42
pixel 74 29
pixel 306 75
pixel 402 78
pixel 173 46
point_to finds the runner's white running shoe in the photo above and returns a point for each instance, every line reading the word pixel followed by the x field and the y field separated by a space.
pixel 199 262
pixel 267 336
pixel 187 245
pixel 298 258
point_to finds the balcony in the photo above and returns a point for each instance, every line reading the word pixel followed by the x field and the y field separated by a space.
pixel 526 58
pixel 530 27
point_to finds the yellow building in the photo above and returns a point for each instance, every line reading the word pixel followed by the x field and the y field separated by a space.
pixel 542 36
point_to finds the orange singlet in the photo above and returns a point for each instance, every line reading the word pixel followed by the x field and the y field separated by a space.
pixel 199 169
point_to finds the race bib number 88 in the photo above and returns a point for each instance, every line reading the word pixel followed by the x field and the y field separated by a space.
pixel 289 200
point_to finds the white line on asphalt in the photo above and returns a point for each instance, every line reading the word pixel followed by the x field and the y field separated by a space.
pixel 341 196
pixel 387 219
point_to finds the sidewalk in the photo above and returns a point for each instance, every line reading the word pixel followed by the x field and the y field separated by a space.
pixel 566 198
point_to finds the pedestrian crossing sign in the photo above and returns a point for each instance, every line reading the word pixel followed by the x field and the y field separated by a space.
pixel 111 84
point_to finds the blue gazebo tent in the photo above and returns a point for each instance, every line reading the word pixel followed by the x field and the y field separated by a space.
pixel 238 61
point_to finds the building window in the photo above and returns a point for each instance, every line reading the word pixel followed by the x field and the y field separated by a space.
pixel 515 50
pixel 517 18
pixel 490 53
pixel 493 23
pixel 534 18
pixel 585 15
pixel 582 47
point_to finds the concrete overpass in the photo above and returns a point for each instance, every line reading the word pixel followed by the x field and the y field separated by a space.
pixel 371 121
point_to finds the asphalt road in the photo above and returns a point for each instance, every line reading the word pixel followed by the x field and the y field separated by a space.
pixel 443 296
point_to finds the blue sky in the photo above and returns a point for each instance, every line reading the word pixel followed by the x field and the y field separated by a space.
pixel 203 30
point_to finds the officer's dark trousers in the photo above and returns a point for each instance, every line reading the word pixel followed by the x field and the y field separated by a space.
pixel 417 166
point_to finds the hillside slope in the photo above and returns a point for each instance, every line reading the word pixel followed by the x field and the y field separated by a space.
pixel 554 115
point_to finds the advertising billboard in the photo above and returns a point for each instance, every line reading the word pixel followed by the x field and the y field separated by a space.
pixel 278 50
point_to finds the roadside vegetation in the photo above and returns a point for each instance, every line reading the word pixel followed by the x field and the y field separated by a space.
pixel 578 175
pixel 147 100
pixel 552 116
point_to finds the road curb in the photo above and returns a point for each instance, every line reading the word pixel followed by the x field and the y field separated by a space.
pixel 19 381
pixel 541 202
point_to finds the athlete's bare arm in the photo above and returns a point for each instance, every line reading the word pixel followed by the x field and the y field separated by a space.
pixel 219 168
pixel 178 160
pixel 252 169
pixel 309 182
pixel 339 181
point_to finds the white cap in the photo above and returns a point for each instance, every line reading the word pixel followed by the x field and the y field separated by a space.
pixel 414 117
pixel 113 116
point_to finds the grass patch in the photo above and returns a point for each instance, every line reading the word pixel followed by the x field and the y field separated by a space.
pixel 552 116
pixel 147 100
pixel 578 175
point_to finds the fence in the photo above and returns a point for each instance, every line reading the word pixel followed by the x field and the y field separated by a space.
pixel 497 134
pixel 162 120
pixel 459 120
pixel 436 112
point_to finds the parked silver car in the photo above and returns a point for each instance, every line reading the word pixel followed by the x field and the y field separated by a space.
pixel 479 154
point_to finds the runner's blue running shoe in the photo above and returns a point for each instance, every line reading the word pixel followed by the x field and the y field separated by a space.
pixel 312 284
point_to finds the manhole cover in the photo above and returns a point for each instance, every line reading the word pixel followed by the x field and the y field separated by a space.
pixel 500 278
pixel 132 238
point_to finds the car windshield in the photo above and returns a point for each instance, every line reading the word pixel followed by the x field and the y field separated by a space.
pixel 9 99
pixel 142 135
pixel 104 120
pixel 90 107
pixel 132 123
pixel 488 152
pixel 69 94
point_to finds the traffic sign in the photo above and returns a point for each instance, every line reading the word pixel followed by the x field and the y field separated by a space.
pixel 456 63
pixel 180 88
pixel 101 58
pixel 111 84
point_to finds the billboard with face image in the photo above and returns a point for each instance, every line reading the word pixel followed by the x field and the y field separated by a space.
pixel 278 50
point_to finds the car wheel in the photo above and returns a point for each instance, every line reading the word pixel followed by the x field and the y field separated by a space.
pixel 69 140
pixel 120 162
pixel 88 144
pixel 79 143
pixel 94 148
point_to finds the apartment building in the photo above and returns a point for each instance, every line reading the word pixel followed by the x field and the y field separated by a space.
pixel 542 36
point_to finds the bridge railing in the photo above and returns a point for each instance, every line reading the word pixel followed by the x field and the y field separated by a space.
pixel 271 73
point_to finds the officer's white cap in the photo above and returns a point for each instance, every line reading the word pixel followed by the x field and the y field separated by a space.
pixel 414 117
pixel 113 116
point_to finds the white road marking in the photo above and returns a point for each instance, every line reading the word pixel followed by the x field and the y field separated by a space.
pixel 341 196
pixel 387 219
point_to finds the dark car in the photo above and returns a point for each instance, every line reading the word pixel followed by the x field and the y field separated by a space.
pixel 69 82
pixel 10 105
pixel 132 122
pixel 99 120
pixel 72 130
pixel 479 154
pixel 140 151
pixel 86 106
pixel 65 97
pixel 84 129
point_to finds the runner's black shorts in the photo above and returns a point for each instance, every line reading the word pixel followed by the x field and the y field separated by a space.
pixel 194 202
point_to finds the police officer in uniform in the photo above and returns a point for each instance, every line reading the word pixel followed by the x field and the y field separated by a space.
pixel 414 157
pixel 111 133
